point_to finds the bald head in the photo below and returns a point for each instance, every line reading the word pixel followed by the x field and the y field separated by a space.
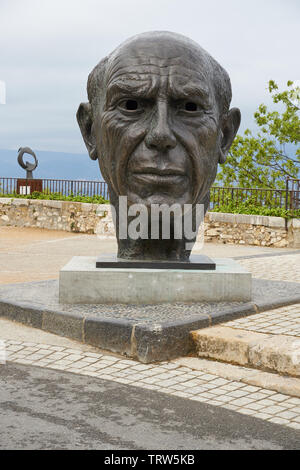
pixel 161 49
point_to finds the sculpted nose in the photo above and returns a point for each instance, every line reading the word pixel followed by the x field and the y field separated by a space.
pixel 160 135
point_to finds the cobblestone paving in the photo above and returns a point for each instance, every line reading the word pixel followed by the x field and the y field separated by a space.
pixel 281 321
pixel 166 377
pixel 276 268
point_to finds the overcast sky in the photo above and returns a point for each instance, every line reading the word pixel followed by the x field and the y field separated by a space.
pixel 48 47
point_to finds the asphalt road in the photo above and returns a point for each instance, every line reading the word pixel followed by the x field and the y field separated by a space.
pixel 49 409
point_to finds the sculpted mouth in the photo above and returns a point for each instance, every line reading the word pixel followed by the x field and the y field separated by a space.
pixel 158 174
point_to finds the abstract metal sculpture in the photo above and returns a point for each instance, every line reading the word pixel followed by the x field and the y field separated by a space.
pixel 29 167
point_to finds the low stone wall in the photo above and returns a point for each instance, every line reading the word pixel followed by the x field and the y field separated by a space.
pixel 56 215
pixel 96 218
pixel 245 229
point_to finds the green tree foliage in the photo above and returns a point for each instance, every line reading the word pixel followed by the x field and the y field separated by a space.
pixel 263 161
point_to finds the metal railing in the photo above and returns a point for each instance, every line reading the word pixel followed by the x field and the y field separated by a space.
pixel 288 199
pixel 64 187
pixel 260 197
pixel 293 187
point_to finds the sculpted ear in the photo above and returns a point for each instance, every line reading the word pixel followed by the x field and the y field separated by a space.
pixel 85 121
pixel 230 126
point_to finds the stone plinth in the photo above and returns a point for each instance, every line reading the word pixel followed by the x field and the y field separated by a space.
pixel 80 282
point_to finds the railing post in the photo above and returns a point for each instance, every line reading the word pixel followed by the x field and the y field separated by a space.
pixel 286 202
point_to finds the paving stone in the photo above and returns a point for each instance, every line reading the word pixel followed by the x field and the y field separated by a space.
pixel 294 425
pixel 287 415
pixel 259 396
pixel 250 388
pixel 56 348
pixel 262 415
pixel 295 409
pixel 290 325
pixel 267 392
pixel 247 411
pixel 242 401
pixel 224 398
pixel 272 410
pixel 255 406
pixel 231 407
pixel 279 397
pixel 182 394
pixel 200 398
pixel 278 421
pixel 293 400
pixel 177 387
pixel 238 393
pixel 266 402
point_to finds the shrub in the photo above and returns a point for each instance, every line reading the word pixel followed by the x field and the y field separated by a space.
pixel 58 197
pixel 248 208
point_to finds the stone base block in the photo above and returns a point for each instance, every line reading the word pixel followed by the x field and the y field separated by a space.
pixel 276 353
pixel 80 282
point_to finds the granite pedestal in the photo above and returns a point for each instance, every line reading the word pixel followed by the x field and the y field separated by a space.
pixel 81 282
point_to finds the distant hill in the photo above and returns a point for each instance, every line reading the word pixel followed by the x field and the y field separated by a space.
pixel 54 165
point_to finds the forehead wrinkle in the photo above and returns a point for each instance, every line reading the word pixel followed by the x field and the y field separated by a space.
pixel 143 60
pixel 125 64
pixel 143 77
pixel 189 89
pixel 154 69
pixel 157 62
pixel 131 85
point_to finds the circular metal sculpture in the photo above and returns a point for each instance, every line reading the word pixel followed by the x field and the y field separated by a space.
pixel 29 167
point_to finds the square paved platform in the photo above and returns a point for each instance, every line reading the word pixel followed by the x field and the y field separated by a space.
pixel 148 333
pixel 81 282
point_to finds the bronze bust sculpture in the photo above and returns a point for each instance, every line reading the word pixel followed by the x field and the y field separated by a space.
pixel 159 121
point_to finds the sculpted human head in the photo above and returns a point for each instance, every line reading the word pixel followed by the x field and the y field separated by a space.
pixel 158 120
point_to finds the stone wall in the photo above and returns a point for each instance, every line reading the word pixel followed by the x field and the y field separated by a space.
pixel 96 218
pixel 245 229
pixel 56 215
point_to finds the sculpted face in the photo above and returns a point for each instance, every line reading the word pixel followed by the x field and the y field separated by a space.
pixel 158 131
pixel 157 127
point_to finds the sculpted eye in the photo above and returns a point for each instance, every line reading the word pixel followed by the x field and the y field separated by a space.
pixel 131 105
pixel 190 106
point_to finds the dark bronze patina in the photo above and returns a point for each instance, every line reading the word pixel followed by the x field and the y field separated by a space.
pixel 158 121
